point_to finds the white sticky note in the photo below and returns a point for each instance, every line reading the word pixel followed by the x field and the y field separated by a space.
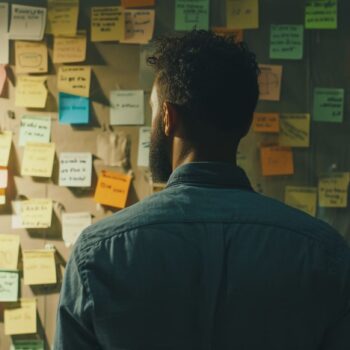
pixel 73 224
pixel 9 283
pixel 4 17
pixel 34 129
pixel 144 144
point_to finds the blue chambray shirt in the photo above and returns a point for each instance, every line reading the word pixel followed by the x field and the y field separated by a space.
pixel 207 264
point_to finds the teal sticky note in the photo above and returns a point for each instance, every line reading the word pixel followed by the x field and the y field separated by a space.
pixel 328 105
pixel 287 42
pixel 35 344
pixel 73 109
pixel 321 14
pixel 191 13
pixel 9 283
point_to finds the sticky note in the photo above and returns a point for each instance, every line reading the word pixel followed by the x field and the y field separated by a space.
pixel 107 23
pixel 144 145
pixel 73 224
pixel 190 14
pixel 27 22
pixel 35 213
pixel 69 49
pixel 62 17
pixel 9 251
pixel 9 283
pixel 3 77
pixel 29 344
pixel 20 317
pixel 31 57
pixel 4 17
pixel 127 107
pixel 266 122
pixel 38 159
pixel 73 109
pixel 295 130
pixel 137 3
pixel 328 105
pixel 75 169
pixel 4 48
pixel 112 189
pixel 2 196
pixel 5 147
pixel 34 129
pixel 237 34
pixel 302 198
pixel 146 72
pixel 3 177
pixel 242 14
pixel 31 92
pixel 139 26
pixel 333 190
pixel 287 42
pixel 74 80
pixel 321 14
pixel 276 160
pixel 270 81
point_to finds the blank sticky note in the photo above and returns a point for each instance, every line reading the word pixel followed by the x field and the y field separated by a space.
pixel 295 130
pixel 31 57
pixel 287 42
pixel 302 198
pixel 31 92
pixel 73 109
pixel 9 285
pixel 35 213
pixel 276 160
pixel 74 80
pixel 5 147
pixel 73 224
pixel 9 251
pixel 69 49
pixel 144 146
pixel 112 189
pixel 270 82
pixel 321 14
pixel 242 14
pixel 190 14
pixel 266 122
pixel 333 190
pixel 328 105
pixel 34 129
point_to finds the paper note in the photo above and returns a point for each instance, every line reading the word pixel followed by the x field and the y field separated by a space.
pixel 35 213
pixel 5 147
pixel 73 224
pixel 328 105
pixel 266 122
pixel 2 196
pixel 20 317
pixel 191 14
pixel 295 130
pixel 139 26
pixel 30 344
pixel 144 144
pixel 62 17
pixel 4 17
pixel 287 42
pixel 4 49
pixel 107 23
pixel 31 57
pixel 27 22
pixel 74 80
pixel 3 76
pixel 146 71
pixel 302 198
pixel 3 177
pixel 237 34
pixel 9 283
pixel 127 107
pixel 242 14
pixel 276 160
pixel 321 14
pixel 73 109
pixel 75 169
pixel 137 3
pixel 112 189
pixel 333 190
pixel 69 49
pixel 31 92
pixel 270 81
pixel 34 129
pixel 9 251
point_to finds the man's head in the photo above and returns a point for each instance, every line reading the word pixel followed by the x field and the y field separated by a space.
pixel 203 99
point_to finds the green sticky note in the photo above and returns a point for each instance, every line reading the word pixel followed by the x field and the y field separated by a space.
pixel 9 282
pixel 35 344
pixel 328 105
pixel 191 13
pixel 287 42
pixel 321 14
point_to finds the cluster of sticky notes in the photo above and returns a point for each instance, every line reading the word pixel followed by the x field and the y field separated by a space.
pixel 242 14
pixel 321 14
pixel 73 224
pixel 302 198
pixel 144 146
pixel 191 14
pixel 276 160
pixel 328 105
pixel 333 190
pixel 270 82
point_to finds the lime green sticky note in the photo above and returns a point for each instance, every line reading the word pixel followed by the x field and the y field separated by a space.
pixel 328 105
pixel 191 13
pixel 287 42
pixel 321 14
pixel 30 344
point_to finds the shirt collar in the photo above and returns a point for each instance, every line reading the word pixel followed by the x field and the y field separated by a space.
pixel 212 174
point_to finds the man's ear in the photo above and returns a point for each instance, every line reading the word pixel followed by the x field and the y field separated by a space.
pixel 170 118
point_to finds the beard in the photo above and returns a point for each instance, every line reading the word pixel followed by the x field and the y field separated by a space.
pixel 160 153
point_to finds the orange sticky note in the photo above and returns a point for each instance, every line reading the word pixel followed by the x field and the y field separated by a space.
pixel 137 3
pixel 112 189
pixel 270 82
pixel 266 122
pixel 276 161
pixel 3 76
pixel 223 31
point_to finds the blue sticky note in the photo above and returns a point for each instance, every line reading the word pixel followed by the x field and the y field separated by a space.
pixel 73 109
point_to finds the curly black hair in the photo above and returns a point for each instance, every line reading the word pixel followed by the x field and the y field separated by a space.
pixel 210 78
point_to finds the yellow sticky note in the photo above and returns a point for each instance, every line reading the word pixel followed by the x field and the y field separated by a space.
pixel 36 213
pixel 9 250
pixel 223 31
pixel 107 23
pixel 266 122
pixel 276 161
pixel 74 80
pixel 31 92
pixel 5 147
pixel 270 82
pixel 333 190
pixel 112 189
pixel 137 3
pixel 69 49
pixel 39 267
pixel 31 57
pixel 38 159
pixel 242 14
pixel 295 130
pixel 20 317
pixel 302 198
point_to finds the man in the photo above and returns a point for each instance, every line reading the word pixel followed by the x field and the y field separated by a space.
pixel 207 263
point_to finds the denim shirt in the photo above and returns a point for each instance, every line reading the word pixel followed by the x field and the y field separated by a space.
pixel 207 264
